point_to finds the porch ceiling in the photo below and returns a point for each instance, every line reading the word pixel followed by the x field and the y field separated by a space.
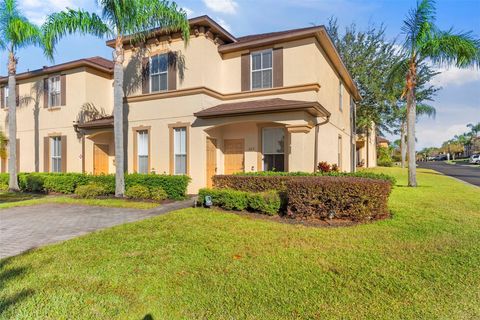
pixel 261 107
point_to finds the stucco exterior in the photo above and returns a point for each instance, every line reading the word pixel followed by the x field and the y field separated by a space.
pixel 205 77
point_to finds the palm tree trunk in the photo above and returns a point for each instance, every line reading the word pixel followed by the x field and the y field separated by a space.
pixel 12 124
pixel 403 149
pixel 118 94
pixel 411 115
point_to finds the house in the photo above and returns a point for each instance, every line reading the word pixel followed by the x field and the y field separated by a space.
pixel 366 148
pixel 222 104
pixel 382 142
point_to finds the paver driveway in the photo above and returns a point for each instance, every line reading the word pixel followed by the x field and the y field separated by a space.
pixel 24 228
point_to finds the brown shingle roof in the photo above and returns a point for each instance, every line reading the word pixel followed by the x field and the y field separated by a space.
pixel 262 106
pixel 97 63
pixel 272 34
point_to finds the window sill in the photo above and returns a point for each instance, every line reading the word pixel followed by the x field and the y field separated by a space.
pixel 54 108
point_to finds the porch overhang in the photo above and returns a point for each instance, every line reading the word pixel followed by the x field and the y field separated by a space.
pixel 100 123
pixel 266 106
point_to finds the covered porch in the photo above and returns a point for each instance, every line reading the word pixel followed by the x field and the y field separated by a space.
pixel 261 135
pixel 98 146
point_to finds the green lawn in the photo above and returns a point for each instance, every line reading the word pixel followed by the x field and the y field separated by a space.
pixel 424 263
pixel 9 200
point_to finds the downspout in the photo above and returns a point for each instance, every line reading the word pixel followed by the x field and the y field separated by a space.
pixel 315 156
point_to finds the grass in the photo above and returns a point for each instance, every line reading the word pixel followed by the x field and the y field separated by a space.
pixel 205 264
pixel 10 200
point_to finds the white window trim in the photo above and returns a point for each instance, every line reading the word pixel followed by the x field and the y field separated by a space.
pixel 181 154
pixel 251 67
pixel 52 150
pixel 150 73
pixel 50 79
pixel 139 134
pixel 5 96
pixel 340 95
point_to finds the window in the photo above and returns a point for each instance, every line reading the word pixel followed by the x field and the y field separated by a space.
pixel 56 154
pixel 158 72
pixel 54 91
pixel 180 150
pixel 142 151
pixel 273 141
pixel 5 102
pixel 340 147
pixel 262 71
pixel 340 95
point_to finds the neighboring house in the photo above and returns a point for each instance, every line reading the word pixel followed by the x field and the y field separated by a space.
pixel 382 142
pixel 223 104
pixel 366 149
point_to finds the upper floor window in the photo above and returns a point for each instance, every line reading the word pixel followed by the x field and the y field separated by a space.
pixel 54 98
pixel 5 102
pixel 262 70
pixel 159 72
pixel 56 154
pixel 340 96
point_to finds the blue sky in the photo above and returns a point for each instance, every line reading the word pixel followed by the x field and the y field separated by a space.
pixel 458 103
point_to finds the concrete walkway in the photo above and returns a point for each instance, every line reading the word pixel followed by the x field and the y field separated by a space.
pixel 24 228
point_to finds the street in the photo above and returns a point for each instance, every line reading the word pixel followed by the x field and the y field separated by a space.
pixel 462 172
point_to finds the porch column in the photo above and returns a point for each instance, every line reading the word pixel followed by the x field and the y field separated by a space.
pixel 301 148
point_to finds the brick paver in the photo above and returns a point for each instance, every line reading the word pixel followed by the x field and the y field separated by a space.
pixel 24 228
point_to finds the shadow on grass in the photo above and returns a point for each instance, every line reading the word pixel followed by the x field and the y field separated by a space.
pixel 8 275
pixel 18 196
pixel 148 317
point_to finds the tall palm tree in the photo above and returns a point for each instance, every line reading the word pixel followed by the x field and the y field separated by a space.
pixel 16 32
pixel 424 43
pixel 422 110
pixel 123 20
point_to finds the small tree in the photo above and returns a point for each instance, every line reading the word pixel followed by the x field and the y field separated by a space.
pixel 124 20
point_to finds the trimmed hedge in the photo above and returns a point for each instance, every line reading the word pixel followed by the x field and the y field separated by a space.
pixel 357 199
pixel 89 191
pixel 174 185
pixel 269 180
pixel 263 202
pixel 138 192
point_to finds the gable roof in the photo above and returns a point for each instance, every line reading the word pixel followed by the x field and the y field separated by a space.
pixel 97 63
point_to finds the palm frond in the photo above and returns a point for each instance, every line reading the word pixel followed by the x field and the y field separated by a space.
pixel 418 24
pixel 71 21
pixel 426 110
pixel 447 47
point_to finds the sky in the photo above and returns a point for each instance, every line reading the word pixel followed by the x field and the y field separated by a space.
pixel 457 104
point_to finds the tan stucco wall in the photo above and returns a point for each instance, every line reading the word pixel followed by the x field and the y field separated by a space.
pixel 82 87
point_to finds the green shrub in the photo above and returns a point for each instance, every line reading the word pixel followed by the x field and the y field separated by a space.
pixel 32 182
pixel 3 187
pixel 138 192
pixel 351 198
pixel 384 157
pixel 267 202
pixel 264 202
pixel 64 182
pixel 225 198
pixel 158 194
pixel 4 178
pixel 174 185
pixel 91 190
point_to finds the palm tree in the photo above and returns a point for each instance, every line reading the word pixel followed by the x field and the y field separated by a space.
pixel 422 109
pixel 16 32
pixel 123 20
pixel 424 41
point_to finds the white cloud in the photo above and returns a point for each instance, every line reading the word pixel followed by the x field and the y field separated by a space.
pixel 455 76
pixel 434 135
pixel 222 6
pixel 225 25
pixel 37 10
pixel 188 11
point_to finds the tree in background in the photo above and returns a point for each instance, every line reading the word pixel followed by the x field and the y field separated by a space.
pixel 424 44
pixel 16 32
pixel 124 20
pixel 369 57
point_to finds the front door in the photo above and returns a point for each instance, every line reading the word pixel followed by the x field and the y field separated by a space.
pixel 211 160
pixel 100 158
pixel 234 150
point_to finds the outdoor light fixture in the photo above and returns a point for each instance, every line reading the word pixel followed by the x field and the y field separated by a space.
pixel 208 201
